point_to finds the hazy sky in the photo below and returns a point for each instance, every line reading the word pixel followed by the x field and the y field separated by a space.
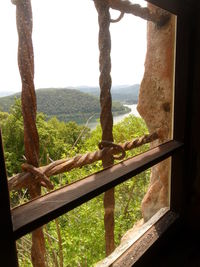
pixel 65 40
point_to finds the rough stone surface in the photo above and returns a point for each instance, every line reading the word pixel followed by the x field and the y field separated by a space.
pixel 155 106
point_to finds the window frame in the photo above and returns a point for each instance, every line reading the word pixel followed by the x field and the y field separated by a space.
pixel 178 150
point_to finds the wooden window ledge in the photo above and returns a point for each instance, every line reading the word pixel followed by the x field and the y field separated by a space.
pixel 139 239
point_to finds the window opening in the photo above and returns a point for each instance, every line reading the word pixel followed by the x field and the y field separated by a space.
pixel 71 238
pixel 107 149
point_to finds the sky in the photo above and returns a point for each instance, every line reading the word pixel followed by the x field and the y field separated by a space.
pixel 65 41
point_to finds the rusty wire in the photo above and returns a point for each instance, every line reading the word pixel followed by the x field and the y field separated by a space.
pixel 106 118
pixel 29 108
pixel 125 6
pixel 64 165
pixel 118 19
pixel 26 68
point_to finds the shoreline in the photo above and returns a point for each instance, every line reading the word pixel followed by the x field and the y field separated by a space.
pixel 118 118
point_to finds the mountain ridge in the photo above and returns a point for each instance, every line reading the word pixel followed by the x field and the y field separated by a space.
pixel 65 104
pixel 126 94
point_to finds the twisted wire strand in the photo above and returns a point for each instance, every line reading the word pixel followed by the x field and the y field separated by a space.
pixel 26 68
pixel 118 19
pixel 64 165
pixel 148 138
pixel 160 17
pixel 29 108
pixel 106 118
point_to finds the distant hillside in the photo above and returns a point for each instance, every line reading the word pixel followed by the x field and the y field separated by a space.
pixel 6 93
pixel 65 104
pixel 127 94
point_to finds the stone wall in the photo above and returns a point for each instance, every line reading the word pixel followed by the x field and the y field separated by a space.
pixel 155 106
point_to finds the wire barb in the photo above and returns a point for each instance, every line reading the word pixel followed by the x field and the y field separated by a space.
pixel 24 179
pixel 118 19
pixel 116 149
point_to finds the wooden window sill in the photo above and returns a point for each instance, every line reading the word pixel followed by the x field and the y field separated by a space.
pixel 138 242
pixel 39 211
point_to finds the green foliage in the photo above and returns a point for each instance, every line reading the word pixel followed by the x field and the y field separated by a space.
pixel 12 131
pixel 56 138
pixel 82 229
pixel 131 127
pixel 82 233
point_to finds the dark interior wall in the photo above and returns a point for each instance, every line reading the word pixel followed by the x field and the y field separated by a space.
pixel 179 246
pixel 192 182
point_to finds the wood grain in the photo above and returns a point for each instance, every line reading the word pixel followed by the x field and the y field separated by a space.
pixel 37 212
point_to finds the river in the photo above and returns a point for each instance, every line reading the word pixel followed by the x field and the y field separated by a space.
pixel 116 119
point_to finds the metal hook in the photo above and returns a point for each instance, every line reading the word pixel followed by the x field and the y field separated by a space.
pixel 118 148
pixel 118 19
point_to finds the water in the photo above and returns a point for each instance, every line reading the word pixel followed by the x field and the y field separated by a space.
pixel 116 119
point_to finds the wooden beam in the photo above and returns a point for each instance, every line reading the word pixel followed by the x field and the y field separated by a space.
pixel 121 255
pixel 183 113
pixel 146 242
pixel 40 211
pixel 175 7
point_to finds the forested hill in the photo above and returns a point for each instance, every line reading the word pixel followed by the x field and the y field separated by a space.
pixel 65 104
pixel 126 94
